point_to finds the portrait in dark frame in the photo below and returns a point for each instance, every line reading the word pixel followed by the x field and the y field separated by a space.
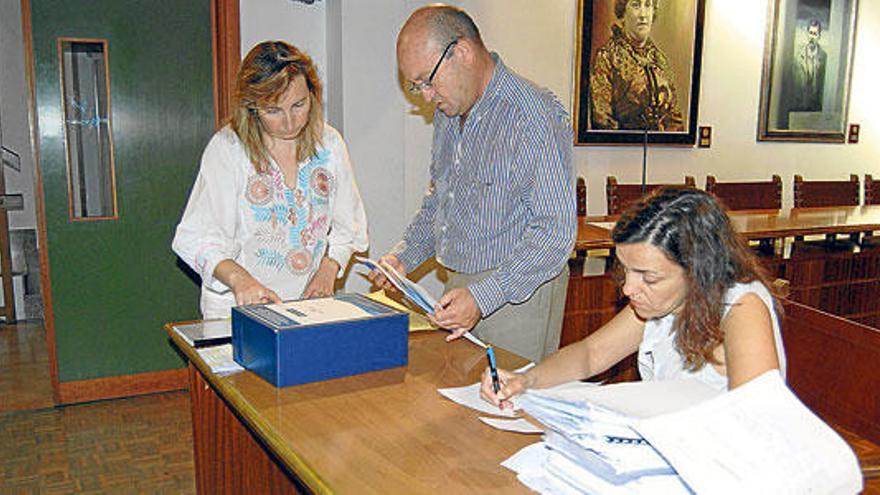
pixel 807 66
pixel 638 69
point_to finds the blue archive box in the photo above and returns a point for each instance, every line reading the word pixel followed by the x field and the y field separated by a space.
pixel 285 346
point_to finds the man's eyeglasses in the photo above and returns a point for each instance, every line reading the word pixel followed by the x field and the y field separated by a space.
pixel 416 88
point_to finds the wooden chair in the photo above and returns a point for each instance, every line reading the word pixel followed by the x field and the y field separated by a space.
pixel 619 196
pixel 761 195
pixel 825 193
pixel 766 195
pixel 581 198
pixel 870 240
pixel 872 190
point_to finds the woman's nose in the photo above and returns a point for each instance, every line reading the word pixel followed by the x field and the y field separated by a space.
pixel 630 286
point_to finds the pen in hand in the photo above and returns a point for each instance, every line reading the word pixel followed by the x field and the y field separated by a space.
pixel 493 369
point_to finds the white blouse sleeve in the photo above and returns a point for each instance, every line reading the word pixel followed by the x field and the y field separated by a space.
pixel 206 234
pixel 348 227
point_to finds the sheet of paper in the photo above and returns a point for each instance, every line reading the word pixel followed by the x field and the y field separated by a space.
pixel 219 359
pixel 757 438
pixel 519 425
pixel 604 225
pixel 322 310
pixel 469 396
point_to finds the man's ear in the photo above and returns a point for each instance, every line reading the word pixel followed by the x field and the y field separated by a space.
pixel 466 50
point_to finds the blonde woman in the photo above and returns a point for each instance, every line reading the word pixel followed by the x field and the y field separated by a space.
pixel 275 212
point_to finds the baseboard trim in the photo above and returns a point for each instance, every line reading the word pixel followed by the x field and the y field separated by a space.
pixel 123 386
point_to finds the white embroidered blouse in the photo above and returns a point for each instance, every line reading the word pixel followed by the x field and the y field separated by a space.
pixel 276 233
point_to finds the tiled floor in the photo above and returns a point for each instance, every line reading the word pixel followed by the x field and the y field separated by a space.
pixel 136 445
pixel 24 367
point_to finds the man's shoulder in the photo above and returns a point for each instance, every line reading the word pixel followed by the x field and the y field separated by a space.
pixel 527 97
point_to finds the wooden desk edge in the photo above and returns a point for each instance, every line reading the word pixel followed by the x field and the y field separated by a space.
pixel 294 465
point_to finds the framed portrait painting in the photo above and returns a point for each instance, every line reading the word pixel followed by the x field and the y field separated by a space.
pixel 637 71
pixel 807 65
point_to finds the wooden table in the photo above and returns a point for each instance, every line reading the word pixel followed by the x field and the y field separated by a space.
pixel 381 432
pixel 594 232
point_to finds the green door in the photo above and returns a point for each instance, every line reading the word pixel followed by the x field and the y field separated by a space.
pixel 114 280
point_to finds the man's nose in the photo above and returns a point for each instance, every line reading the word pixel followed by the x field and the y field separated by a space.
pixel 428 93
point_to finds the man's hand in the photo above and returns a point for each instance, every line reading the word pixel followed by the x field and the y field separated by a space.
pixel 322 281
pixel 389 261
pixel 457 310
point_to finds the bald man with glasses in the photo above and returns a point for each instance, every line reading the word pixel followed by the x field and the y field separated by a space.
pixel 499 214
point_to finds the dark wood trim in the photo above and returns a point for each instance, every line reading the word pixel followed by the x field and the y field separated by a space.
pixel 123 386
pixel 39 206
pixel 8 309
pixel 226 43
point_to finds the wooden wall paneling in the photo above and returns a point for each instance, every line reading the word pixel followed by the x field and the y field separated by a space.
pixel 832 367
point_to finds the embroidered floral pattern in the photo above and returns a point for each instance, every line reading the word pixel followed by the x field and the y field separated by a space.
pixel 292 222
pixel 259 189
pixel 299 261
pixel 322 182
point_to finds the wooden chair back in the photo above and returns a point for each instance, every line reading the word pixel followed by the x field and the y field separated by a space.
pixel 826 192
pixel 581 192
pixel 872 190
pixel 761 195
pixel 619 196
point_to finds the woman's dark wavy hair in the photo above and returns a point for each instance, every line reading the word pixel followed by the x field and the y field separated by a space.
pixel 692 229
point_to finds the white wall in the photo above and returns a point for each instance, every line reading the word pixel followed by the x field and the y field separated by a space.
pixel 389 136
pixel 14 113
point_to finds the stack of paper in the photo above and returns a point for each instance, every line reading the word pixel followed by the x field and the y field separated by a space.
pixel 219 359
pixel 592 445
pixel 681 437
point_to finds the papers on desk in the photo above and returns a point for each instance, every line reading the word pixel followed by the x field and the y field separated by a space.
pixel 756 438
pixel 518 425
pixel 680 437
pixel 219 359
pixel 469 396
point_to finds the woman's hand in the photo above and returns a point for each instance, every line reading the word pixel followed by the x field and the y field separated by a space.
pixel 248 291
pixel 322 282
pixel 512 384
pixel 245 287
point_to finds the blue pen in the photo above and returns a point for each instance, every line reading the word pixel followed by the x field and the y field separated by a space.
pixel 493 369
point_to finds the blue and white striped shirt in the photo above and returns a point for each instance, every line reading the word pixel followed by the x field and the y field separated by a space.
pixel 502 194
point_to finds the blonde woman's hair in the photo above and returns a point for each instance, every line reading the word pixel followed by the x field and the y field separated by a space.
pixel 265 73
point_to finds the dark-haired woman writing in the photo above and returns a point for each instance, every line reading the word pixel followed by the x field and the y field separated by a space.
pixel 699 306
pixel 275 212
